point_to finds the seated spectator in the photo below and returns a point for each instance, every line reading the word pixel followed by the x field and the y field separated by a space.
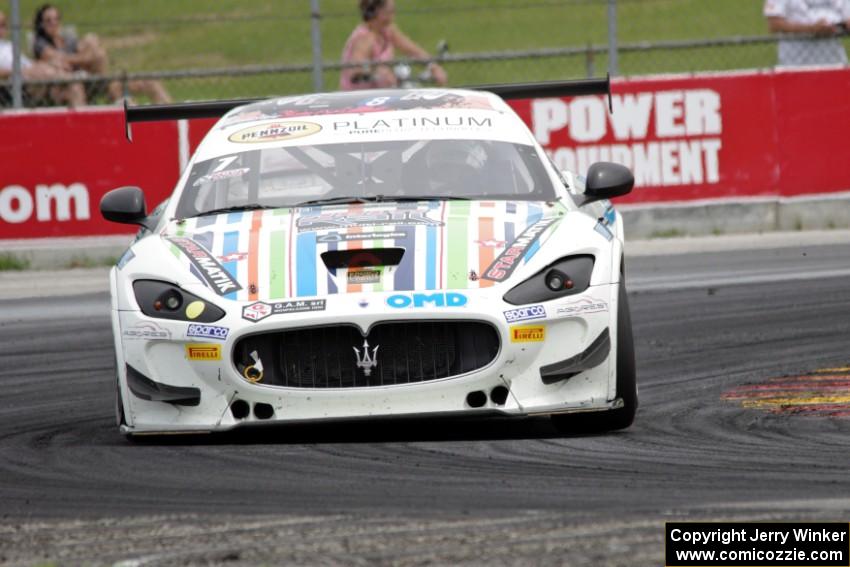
pixel 375 41
pixel 71 94
pixel 64 51
pixel 824 18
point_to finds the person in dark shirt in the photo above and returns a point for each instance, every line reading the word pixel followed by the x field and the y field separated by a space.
pixel 71 94
pixel 62 50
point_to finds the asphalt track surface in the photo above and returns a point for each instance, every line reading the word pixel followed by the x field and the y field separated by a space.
pixel 73 491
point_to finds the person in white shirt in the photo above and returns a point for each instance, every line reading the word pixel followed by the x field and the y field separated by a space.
pixel 824 18
pixel 71 94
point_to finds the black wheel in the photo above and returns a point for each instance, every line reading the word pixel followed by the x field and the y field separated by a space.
pixel 622 417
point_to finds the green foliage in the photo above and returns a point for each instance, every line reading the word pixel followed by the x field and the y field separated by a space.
pixel 10 262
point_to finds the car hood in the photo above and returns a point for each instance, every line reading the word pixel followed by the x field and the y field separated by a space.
pixel 322 250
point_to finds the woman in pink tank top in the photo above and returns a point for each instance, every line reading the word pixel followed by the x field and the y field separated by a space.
pixel 374 41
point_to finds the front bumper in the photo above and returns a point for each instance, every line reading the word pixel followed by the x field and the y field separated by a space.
pixel 158 350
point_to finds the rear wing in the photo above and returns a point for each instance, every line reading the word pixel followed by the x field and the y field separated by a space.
pixel 218 108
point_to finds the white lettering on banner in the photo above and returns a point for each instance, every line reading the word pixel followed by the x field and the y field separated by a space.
pixel 668 114
pixel 44 194
pixel 702 112
pixel 676 116
pixel 631 115
pixel 588 119
pixel 547 115
pixel 17 204
pixel 682 162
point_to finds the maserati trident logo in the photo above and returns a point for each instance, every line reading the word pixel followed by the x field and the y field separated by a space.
pixel 366 362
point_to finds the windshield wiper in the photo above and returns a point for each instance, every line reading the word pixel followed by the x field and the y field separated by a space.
pixel 233 209
pixel 340 201
pixel 380 199
pixel 405 198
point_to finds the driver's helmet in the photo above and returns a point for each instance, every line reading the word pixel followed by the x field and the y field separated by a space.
pixel 455 166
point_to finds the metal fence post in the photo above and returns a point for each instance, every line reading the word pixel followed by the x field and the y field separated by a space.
pixel 613 64
pixel 589 62
pixel 316 35
pixel 17 86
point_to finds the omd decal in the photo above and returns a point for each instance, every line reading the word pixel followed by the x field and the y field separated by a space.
pixel 46 203
pixel 666 137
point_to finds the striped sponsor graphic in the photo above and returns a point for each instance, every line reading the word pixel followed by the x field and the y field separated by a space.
pixel 276 254
pixel 825 393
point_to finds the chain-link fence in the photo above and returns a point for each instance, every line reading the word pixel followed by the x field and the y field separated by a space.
pixel 203 49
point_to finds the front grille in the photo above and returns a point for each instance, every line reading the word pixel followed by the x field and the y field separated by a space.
pixel 407 352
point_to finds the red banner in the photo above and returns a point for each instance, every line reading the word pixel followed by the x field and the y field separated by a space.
pixel 56 165
pixel 718 136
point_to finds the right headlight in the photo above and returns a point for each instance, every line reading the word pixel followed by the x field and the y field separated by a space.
pixel 167 301
pixel 567 276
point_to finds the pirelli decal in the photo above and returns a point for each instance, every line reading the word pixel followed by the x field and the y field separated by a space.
pixel 528 334
pixel 505 264
pixel 213 273
pixel 203 351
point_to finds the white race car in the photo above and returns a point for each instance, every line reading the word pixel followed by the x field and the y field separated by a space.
pixel 372 254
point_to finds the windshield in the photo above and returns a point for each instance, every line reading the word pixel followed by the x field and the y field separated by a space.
pixel 387 170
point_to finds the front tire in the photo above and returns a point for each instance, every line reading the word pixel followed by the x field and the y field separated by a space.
pixel 624 416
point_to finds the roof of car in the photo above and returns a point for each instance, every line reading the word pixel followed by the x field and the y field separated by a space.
pixel 364 116
pixel 356 102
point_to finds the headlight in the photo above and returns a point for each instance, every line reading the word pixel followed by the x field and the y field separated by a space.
pixel 167 301
pixel 567 276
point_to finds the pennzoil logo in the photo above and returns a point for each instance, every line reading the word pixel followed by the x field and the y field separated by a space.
pixel 274 131
pixel 528 334
pixel 203 352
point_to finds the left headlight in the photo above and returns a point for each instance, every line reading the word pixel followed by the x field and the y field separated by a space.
pixel 567 276
pixel 167 301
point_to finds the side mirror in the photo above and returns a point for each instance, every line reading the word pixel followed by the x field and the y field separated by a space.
pixel 125 205
pixel 606 180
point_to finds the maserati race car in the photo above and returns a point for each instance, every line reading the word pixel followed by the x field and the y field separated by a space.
pixel 371 254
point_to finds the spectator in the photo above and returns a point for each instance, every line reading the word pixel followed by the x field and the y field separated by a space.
pixel 375 40
pixel 65 52
pixel 824 18
pixel 72 94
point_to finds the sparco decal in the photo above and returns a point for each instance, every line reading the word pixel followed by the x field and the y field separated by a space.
pixel 450 299
pixel 207 331
pixel 505 264
pixel 260 310
pixel 525 313
pixel 371 218
pixel 214 273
